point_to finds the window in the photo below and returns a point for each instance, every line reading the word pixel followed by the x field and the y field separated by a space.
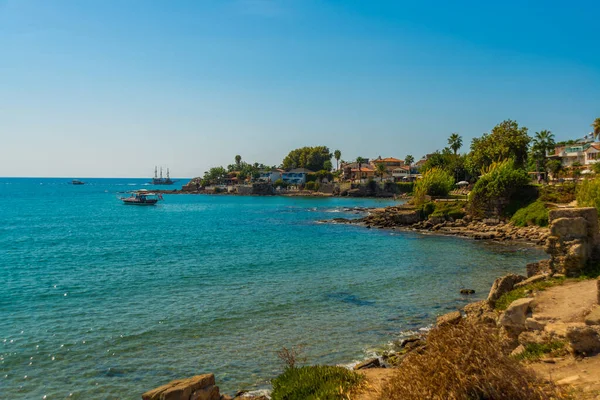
pixel 592 156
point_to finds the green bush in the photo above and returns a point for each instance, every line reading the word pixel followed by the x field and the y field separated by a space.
pixel 562 193
pixel 435 182
pixel 405 187
pixel 500 182
pixel 426 209
pixel 319 382
pixel 588 193
pixel 534 214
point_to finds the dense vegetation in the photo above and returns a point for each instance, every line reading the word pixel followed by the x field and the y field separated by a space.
pixel 500 181
pixel 319 382
pixel 588 193
pixel 534 214
pixel 435 182
pixel 314 158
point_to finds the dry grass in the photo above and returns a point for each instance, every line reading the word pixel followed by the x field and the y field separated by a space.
pixel 464 362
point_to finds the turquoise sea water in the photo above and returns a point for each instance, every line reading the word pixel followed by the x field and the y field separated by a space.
pixel 102 300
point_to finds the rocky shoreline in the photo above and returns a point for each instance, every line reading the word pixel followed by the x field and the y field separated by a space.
pixel 407 219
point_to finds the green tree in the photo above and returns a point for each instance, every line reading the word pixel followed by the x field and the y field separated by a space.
pixel 596 127
pixel 238 160
pixel 215 175
pixel 542 143
pixel 435 182
pixel 506 141
pixel 337 154
pixel 380 170
pixel 455 142
pixel 312 158
pixel 327 165
pixel 575 170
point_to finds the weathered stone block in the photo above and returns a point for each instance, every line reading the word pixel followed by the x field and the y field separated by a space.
pixel 569 228
pixel 593 318
pixel 181 389
pixel 370 363
pixel 503 285
pixel 513 319
pixel 528 281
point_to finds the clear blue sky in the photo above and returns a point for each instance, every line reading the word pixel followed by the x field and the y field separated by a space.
pixel 111 88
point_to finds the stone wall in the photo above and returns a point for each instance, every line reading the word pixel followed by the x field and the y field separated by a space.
pixel 574 240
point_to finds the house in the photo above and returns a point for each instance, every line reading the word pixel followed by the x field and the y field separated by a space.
pixel 270 175
pixel 390 164
pixel 581 153
pixel 350 171
pixel 296 176
pixel 401 173
pixel 422 161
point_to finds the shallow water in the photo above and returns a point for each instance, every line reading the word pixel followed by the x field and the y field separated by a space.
pixel 102 300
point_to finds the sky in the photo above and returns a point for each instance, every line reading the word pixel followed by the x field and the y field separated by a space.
pixel 111 88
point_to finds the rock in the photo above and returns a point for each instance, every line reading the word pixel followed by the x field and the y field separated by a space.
pixel 207 393
pixel 529 281
pixel 226 397
pixel 183 389
pixel 503 285
pixel 467 291
pixel 567 381
pixel 584 339
pixel 513 319
pixel 534 325
pixel 518 351
pixel 451 318
pixel 598 290
pixel 370 363
pixel 593 318
pixel 480 311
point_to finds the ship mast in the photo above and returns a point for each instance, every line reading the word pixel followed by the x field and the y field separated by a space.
pixel 155 172
pixel 161 173
pixel 168 174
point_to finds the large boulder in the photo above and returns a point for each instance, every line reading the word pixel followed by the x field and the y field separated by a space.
pixel 584 339
pixel 199 387
pixel 515 316
pixel 503 285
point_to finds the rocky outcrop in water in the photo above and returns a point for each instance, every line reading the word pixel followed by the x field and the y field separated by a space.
pixel 199 387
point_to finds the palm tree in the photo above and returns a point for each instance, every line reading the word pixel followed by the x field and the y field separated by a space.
pixel 543 142
pixel 455 142
pixel 596 126
pixel 360 161
pixel 337 154
pixel 381 170
pixel 408 160
pixel 238 160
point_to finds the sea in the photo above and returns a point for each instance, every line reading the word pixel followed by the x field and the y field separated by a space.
pixel 101 300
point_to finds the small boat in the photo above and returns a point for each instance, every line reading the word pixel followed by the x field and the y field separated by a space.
pixel 142 198
pixel 76 182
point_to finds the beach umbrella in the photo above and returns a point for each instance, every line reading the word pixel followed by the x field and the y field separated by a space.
pixel 462 183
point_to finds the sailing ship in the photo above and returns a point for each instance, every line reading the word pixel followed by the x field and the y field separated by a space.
pixel 77 182
pixel 159 180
